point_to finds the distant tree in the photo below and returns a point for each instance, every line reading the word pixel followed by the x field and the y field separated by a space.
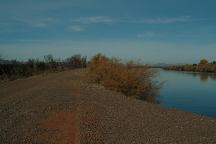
pixel 1 58
pixel 77 61
pixel 214 62
pixel 84 61
pixel 49 58
pixel 203 61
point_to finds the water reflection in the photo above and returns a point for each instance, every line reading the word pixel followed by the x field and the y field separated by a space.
pixel 204 77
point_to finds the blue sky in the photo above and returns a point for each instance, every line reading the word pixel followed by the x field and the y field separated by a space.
pixel 153 31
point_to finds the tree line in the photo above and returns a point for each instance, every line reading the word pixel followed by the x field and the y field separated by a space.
pixel 13 69
pixel 203 66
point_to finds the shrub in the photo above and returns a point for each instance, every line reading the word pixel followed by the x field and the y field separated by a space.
pixel 203 61
pixel 130 79
pixel 13 69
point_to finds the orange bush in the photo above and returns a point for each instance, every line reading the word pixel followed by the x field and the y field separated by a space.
pixel 128 78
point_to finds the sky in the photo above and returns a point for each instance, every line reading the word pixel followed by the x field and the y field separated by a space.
pixel 151 31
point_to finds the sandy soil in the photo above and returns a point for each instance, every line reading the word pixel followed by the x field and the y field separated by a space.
pixel 62 108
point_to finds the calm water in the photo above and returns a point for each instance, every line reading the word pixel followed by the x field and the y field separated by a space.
pixel 188 91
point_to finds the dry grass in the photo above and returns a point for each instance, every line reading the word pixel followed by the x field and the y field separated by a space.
pixel 130 79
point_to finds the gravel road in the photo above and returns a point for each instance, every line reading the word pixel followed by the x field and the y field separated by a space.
pixel 62 108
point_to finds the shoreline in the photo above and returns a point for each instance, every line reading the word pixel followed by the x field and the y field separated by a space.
pixel 191 72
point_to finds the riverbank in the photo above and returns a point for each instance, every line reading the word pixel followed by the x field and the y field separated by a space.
pixel 191 72
pixel 201 68
pixel 64 108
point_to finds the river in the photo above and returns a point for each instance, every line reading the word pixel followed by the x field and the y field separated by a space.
pixel 193 92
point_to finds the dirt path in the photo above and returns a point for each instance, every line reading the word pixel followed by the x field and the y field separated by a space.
pixel 28 106
pixel 61 108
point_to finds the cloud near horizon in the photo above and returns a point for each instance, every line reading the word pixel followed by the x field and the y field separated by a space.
pixel 168 20
pixel 94 20
pixel 76 28
pixel 109 20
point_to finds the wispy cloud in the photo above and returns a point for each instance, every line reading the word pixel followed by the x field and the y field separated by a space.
pixel 94 20
pixel 170 20
pixel 76 28
pixel 163 35
pixel 146 34
pixel 41 23
pixel 109 20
